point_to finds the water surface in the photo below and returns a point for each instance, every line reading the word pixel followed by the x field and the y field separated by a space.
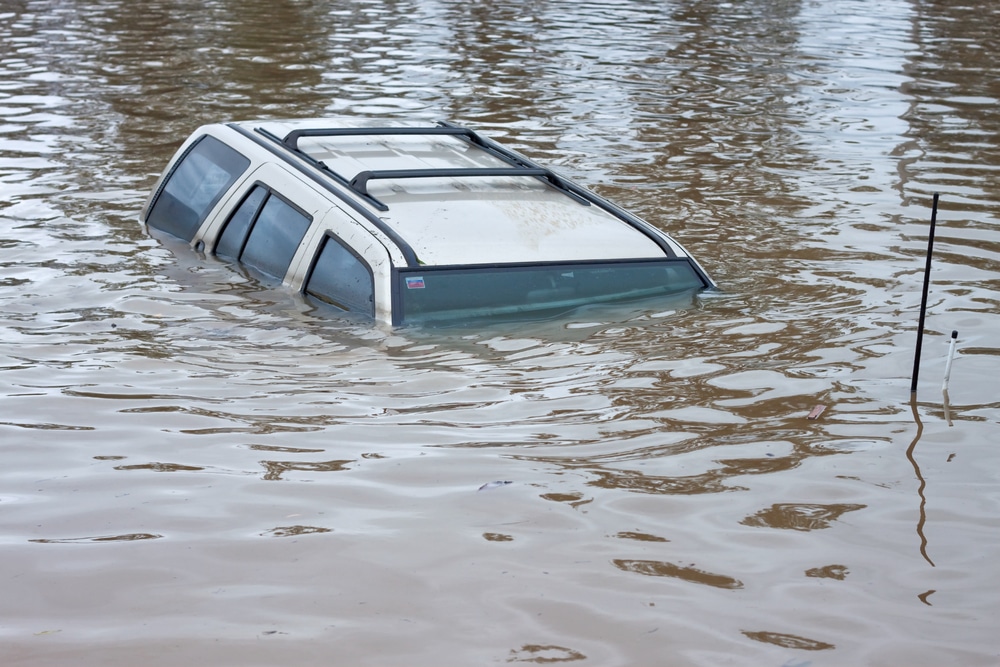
pixel 197 468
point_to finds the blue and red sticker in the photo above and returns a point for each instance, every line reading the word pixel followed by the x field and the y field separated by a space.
pixel 416 282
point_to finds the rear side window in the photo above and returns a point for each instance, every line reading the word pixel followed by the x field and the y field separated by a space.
pixel 234 236
pixel 341 279
pixel 195 185
pixel 264 233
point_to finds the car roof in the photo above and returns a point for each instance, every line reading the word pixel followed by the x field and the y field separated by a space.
pixel 455 200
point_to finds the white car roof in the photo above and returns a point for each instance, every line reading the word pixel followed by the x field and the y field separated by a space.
pixel 467 218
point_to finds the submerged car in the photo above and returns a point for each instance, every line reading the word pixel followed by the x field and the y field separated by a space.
pixel 408 222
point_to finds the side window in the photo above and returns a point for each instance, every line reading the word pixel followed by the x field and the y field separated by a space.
pixel 341 279
pixel 275 237
pixel 264 233
pixel 195 185
pixel 234 236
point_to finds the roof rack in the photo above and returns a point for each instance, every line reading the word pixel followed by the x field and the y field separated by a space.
pixel 520 166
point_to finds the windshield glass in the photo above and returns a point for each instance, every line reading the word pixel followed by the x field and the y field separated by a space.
pixel 450 294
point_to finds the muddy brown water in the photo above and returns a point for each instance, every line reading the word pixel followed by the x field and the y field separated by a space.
pixel 197 469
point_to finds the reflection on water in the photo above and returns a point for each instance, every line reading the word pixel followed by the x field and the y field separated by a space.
pixel 129 537
pixel 692 574
pixel 793 147
pixel 789 641
pixel 294 531
pixel 497 537
pixel 159 467
pixel 839 572
pixel 543 654
pixel 799 516
pixel 275 469
pixel 644 537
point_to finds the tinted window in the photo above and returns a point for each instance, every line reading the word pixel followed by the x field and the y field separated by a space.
pixel 263 232
pixel 274 237
pixel 429 294
pixel 234 236
pixel 341 279
pixel 196 184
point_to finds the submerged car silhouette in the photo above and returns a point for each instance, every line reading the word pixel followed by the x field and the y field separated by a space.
pixel 408 223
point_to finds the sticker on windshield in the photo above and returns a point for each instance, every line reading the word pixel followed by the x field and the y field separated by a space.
pixel 416 282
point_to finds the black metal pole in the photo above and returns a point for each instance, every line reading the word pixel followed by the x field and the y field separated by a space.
pixel 923 299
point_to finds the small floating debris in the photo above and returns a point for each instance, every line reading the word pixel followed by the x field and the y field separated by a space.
pixel 816 412
pixel 493 485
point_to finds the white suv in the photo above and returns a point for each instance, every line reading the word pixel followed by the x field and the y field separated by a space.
pixel 407 222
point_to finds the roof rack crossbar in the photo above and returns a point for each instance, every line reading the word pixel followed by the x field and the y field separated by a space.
pixel 291 139
pixel 360 182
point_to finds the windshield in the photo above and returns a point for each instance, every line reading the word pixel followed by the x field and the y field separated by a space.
pixel 441 294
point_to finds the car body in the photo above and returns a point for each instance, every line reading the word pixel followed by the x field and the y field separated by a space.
pixel 408 222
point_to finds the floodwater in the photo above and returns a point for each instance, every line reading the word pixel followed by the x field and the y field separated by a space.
pixel 196 469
